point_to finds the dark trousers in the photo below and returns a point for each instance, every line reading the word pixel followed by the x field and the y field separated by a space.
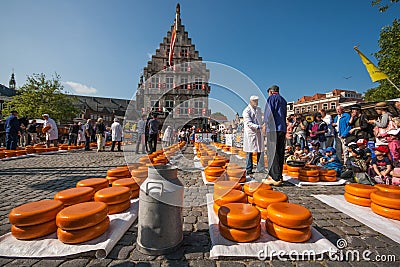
pixel 146 142
pixel 249 161
pixel 11 141
pixel 276 154
pixel 153 142
pixel 73 138
pixel 87 143
pixel 113 145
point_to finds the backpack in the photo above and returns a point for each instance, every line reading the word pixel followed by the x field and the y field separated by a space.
pixel 314 128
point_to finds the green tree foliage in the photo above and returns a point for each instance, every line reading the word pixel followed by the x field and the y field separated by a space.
pixel 39 95
pixel 383 5
pixel 217 114
pixel 389 62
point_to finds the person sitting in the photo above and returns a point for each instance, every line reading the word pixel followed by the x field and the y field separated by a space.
pixel 306 156
pixel 358 167
pixel 331 161
pixel 316 153
pixel 394 146
pixel 362 144
pixel 298 152
pixel 381 166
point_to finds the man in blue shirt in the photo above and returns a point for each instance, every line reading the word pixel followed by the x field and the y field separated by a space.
pixel 342 128
pixel 275 127
pixel 12 128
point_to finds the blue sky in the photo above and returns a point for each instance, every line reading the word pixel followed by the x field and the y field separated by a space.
pixel 100 47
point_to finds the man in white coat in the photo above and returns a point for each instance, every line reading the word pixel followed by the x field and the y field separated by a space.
pixel 50 129
pixel 253 140
pixel 116 134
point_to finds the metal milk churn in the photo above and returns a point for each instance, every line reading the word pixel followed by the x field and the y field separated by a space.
pixel 160 211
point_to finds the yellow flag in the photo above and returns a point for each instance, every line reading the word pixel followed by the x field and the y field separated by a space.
pixel 373 71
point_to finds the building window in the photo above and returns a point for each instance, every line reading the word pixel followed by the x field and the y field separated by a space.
pixel 333 105
pixel 325 106
pixel 297 110
pixel 185 66
pixel 184 82
pixel 315 107
pixel 169 81
pixel 154 105
pixel 184 52
pixel 308 109
pixel 155 82
pixel 169 105
pixel 184 107
pixel 197 83
pixel 303 110
pixel 198 107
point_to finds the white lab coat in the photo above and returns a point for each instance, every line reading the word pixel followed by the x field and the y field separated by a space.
pixel 253 140
pixel 52 133
pixel 116 131
pixel 167 134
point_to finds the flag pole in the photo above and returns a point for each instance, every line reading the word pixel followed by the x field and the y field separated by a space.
pixel 393 84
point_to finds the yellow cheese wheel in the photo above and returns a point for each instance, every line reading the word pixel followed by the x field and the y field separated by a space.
pixel 127 182
pixel 239 215
pixel 34 231
pixel 263 212
pixel 82 215
pixel 233 166
pixel 293 169
pixel 235 172
pixel 83 235
pixel 250 199
pixel 75 195
pixel 360 190
pixel 113 179
pixel 227 185
pixel 287 234
pixel 210 178
pixel 325 178
pixel 293 174
pixel 361 201
pixel 285 167
pixel 327 172
pixel 312 179
pixel 385 212
pixel 240 235
pixel 216 208
pixel 118 172
pixel 386 199
pixel 95 183
pixel 388 188
pixel 216 163
pixel 118 208
pixel 35 212
pixel 238 180
pixel 223 197
pixel 263 198
pixel 113 195
pixel 140 172
pixel 289 215
pixel 251 187
pixel 214 171
pixel 307 172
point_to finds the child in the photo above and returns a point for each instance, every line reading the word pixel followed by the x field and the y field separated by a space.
pixel 362 144
pixel 316 153
pixel 381 165
pixel 306 154
pixel 358 167
pixel 298 153
pixel 394 146
pixel 331 161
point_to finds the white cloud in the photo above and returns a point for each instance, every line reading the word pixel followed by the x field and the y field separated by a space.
pixel 81 88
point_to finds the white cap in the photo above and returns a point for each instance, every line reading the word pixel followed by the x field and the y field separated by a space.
pixel 253 97
pixel 45 115
pixel 394 131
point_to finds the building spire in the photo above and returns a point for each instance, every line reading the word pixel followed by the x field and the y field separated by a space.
pixel 12 83
pixel 178 14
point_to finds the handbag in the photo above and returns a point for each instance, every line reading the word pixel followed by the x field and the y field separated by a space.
pixel 382 132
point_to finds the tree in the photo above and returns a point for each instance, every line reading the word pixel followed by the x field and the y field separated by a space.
pixel 383 5
pixel 217 114
pixel 389 62
pixel 39 95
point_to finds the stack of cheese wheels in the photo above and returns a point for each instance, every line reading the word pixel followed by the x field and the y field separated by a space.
pixel 95 183
pixel 239 222
pixel 236 173
pixel 289 222
pixel 308 175
pixel 34 219
pixel 263 198
pixel 388 188
pixel 140 174
pixel 214 173
pixel 118 173
pixel 75 195
pixel 293 171
pixel 131 184
pixel 117 198
pixel 327 175
pixel 224 196
pixel 285 171
pixel 251 187
pixel 82 222
pixel 386 204
pixel 359 194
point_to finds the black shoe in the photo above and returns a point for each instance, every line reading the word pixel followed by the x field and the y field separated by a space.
pixel 120 150
pixel 112 150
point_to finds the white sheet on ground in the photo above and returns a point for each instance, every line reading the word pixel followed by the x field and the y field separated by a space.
pixel 50 246
pixel 385 226
pixel 299 183
pixel 266 245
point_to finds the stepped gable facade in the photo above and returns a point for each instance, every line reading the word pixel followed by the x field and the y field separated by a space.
pixel 176 91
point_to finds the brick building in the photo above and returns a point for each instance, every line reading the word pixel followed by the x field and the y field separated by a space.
pixel 177 91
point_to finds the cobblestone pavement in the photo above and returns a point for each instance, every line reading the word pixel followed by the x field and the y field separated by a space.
pixel 37 178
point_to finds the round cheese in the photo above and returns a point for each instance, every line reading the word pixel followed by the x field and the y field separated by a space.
pixel 214 171
pixel 227 185
pixel 263 198
pixel 312 179
pixel 83 235
pixel 293 174
pixel 95 183
pixel 360 190
pixel 386 199
pixel 385 212
pixel 118 208
pixel 82 215
pixel 239 215
pixel 251 187
pixel 34 231
pixel 325 178
pixel 287 234
pixel 263 212
pixel 216 163
pixel 127 182
pixel 118 172
pixel 240 235
pixel 235 172
pixel 34 213
pixel 327 172
pixel 140 172
pixel 113 195
pixel 289 215
pixel 223 197
pixel 293 169
pixel 388 188
pixel 75 195
pixel 361 201
pixel 306 172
